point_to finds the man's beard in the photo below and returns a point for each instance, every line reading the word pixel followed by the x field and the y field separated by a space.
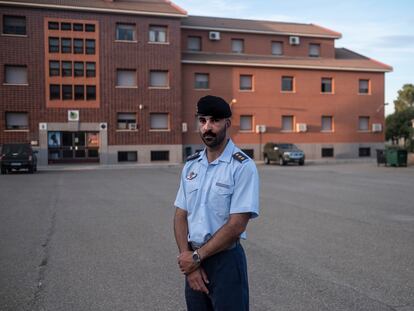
pixel 212 140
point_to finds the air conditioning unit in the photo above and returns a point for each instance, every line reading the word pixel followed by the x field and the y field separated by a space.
pixel 73 115
pixel 184 127
pixel 103 126
pixel 377 127
pixel 43 126
pixel 260 128
pixel 301 127
pixel 132 126
pixel 293 40
pixel 214 35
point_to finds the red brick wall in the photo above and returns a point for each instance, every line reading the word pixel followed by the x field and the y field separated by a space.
pixel 307 104
pixel 258 43
pixel 141 56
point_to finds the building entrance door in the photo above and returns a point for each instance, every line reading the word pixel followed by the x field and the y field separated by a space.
pixel 73 147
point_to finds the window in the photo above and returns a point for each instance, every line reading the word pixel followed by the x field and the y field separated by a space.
pixel 77 27
pixel 79 69
pixel 246 123
pixel 363 123
pixel 127 156
pixel 237 45
pixel 326 85
pixel 66 45
pixel 159 121
pixel 90 28
pixel 314 50
pixel 53 45
pixel 15 74
pixel 287 123
pixel 53 26
pixel 327 124
pixel 194 43
pixel 363 86
pixel 90 69
pixel 54 68
pixel 277 48
pixel 67 92
pixel 125 119
pixel 17 121
pixel 287 84
pixel 90 46
pixel 160 155
pixel 158 34
pixel 79 92
pixel 65 26
pixel 126 78
pixel 364 151
pixel 66 69
pixel 78 46
pixel 246 82
pixel 327 152
pixel 158 78
pixel 125 32
pixel 90 92
pixel 54 91
pixel 201 81
pixel 14 25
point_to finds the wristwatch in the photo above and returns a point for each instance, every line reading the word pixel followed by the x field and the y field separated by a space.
pixel 196 257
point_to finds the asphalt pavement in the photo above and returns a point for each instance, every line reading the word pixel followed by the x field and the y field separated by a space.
pixel 329 237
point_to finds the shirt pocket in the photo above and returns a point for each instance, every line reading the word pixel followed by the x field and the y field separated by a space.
pixel 221 196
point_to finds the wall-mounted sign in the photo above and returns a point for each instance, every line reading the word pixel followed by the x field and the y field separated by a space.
pixel 73 115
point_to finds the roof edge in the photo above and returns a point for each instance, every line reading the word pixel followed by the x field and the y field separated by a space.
pixel 369 58
pixel 89 9
pixel 224 63
pixel 260 32
pixel 330 30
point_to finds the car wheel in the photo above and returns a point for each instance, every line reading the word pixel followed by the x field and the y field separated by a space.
pixel 31 170
pixel 3 170
pixel 281 161
pixel 35 168
pixel 302 162
pixel 266 160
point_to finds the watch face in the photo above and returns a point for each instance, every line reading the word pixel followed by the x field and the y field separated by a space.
pixel 196 257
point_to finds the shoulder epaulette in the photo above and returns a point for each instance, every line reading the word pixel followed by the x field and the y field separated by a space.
pixel 193 156
pixel 239 156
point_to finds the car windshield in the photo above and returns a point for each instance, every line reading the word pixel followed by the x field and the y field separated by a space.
pixel 288 146
pixel 20 149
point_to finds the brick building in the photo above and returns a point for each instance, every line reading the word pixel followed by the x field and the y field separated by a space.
pixel 117 81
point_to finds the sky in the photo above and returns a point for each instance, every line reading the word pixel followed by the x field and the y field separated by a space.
pixel 380 29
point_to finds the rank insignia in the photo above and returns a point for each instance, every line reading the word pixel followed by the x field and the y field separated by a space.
pixel 191 176
pixel 240 157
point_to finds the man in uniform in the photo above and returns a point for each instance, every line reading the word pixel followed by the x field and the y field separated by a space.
pixel 218 194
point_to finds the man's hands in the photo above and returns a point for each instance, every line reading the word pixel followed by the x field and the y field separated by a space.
pixel 196 276
pixel 186 262
pixel 198 280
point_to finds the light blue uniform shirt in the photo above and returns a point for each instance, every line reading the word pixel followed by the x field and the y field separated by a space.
pixel 210 192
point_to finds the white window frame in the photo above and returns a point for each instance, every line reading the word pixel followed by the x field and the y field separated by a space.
pixel 159 86
pixel 23 118
pixel 292 123
pixel 155 34
pixel 244 120
pixel 126 27
pixel 251 83
pixel 20 75
pixel 154 115
pixel 189 43
pixel 123 76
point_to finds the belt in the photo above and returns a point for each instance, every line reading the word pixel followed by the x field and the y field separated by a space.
pixel 195 246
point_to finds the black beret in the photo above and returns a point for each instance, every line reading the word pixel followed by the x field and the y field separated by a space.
pixel 213 106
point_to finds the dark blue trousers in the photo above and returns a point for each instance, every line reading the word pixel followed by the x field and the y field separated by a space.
pixel 228 287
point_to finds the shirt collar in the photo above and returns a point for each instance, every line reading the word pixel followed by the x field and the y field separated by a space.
pixel 225 156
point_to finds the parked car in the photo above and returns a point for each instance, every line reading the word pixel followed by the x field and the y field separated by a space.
pixel 283 153
pixel 17 157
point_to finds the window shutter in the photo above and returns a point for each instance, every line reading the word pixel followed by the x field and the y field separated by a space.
pixel 17 120
pixel 126 78
pixel 159 121
pixel 158 78
pixel 16 74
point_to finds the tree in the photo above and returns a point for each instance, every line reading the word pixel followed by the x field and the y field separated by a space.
pixel 405 98
pixel 398 125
